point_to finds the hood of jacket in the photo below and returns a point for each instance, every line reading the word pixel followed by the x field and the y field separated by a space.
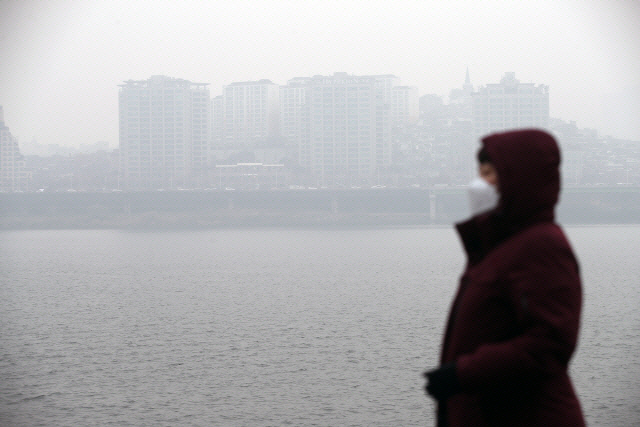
pixel 527 162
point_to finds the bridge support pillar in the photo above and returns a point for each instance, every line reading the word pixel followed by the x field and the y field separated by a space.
pixel 432 206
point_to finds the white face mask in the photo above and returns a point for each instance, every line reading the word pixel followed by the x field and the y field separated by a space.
pixel 482 196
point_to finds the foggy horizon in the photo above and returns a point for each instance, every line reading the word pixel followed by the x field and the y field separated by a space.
pixel 63 61
pixel 192 250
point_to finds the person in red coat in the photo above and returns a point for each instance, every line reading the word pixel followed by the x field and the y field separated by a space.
pixel 514 322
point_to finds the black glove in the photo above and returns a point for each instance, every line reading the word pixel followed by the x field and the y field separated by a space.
pixel 442 383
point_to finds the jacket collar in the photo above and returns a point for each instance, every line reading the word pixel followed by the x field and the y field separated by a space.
pixel 482 233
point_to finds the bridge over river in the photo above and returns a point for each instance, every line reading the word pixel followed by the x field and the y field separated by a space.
pixel 301 207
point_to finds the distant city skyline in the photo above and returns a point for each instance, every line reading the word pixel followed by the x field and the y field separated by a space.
pixel 63 60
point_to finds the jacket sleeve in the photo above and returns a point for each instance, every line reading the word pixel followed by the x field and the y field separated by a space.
pixel 543 287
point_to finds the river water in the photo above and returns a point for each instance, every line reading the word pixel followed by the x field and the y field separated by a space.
pixel 269 327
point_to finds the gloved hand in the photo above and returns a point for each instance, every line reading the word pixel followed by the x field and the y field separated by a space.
pixel 442 383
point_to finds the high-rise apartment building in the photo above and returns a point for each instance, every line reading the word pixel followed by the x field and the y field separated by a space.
pixel 251 114
pixel 13 175
pixel 404 105
pixel 217 121
pixel 510 104
pixel 403 101
pixel 385 84
pixel 294 111
pixel 342 125
pixel 164 132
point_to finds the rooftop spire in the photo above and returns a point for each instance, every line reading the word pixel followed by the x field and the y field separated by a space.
pixel 467 87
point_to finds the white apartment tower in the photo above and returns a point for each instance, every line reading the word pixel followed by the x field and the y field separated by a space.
pixel 509 105
pixel 251 114
pixel 217 121
pixel 341 124
pixel 13 175
pixel 294 111
pixel 385 84
pixel 164 133
pixel 404 105
pixel 403 101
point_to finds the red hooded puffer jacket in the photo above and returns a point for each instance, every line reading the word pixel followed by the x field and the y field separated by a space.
pixel 514 323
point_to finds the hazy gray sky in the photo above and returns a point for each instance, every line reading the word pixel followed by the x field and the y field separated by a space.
pixel 61 60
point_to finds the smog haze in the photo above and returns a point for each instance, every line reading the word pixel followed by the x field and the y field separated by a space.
pixel 63 60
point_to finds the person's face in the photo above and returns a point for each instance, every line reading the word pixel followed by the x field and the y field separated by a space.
pixel 488 173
